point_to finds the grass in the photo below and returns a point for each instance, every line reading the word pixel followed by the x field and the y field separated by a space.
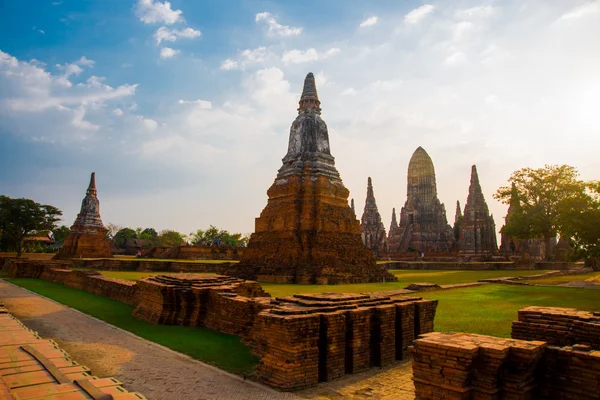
pixel 137 275
pixel 224 351
pixel 557 280
pixel 404 279
pixel 490 309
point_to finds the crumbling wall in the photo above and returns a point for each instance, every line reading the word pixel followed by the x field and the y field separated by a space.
pixel 558 326
pixel 306 339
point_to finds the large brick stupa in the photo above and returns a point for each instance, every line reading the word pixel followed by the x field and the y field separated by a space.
pixel 88 235
pixel 307 233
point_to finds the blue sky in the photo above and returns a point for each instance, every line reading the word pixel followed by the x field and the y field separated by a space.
pixel 183 108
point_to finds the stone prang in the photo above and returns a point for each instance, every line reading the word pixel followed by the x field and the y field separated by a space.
pixel 88 235
pixel 477 230
pixel 308 233
pixel 423 225
pixel 371 227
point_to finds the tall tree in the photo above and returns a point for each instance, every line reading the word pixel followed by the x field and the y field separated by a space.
pixel 61 233
pixel 21 217
pixel 123 236
pixel 544 194
pixel 168 238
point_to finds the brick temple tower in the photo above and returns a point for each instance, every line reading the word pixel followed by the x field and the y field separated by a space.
pixel 423 224
pixel 88 235
pixel 308 233
pixel 477 230
pixel 371 227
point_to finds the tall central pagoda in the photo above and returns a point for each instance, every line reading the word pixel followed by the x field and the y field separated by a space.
pixel 308 233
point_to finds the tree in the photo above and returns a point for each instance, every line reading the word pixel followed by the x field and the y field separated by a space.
pixel 543 195
pixel 169 238
pixel 61 233
pixel 123 236
pixel 149 234
pixel 213 235
pixel 580 222
pixel 21 217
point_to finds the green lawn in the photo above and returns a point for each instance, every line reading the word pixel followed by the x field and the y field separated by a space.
pixel 224 351
pixel 490 309
pixel 557 280
pixel 404 279
pixel 137 275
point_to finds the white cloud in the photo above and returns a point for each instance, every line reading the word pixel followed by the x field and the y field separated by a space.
pixel 203 104
pixel 369 22
pixel 455 59
pixel 484 11
pixel 151 12
pixel 229 64
pixel 118 112
pixel 276 29
pixel 167 52
pixel 417 15
pixel 332 52
pixel 247 57
pixel 299 56
pixel 171 35
pixel 590 8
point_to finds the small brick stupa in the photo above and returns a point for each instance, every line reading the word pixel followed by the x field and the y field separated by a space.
pixel 308 233
pixel 88 235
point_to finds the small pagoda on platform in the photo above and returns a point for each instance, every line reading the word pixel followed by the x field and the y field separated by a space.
pixel 88 235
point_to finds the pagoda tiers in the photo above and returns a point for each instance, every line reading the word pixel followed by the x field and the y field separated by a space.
pixel 371 227
pixel 88 235
pixel 308 233
pixel 477 230
pixel 423 225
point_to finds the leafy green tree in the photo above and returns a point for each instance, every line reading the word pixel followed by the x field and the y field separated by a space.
pixel 149 234
pixel 61 233
pixel 213 235
pixel 22 217
pixel 122 236
pixel 543 194
pixel 580 222
pixel 168 238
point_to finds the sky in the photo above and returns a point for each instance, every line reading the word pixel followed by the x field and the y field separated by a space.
pixel 183 108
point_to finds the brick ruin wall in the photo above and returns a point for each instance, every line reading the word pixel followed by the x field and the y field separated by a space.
pixel 553 355
pixel 140 264
pixel 89 281
pixel 221 252
pixel 307 339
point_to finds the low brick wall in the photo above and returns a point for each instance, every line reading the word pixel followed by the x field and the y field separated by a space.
pixel 558 326
pixel 466 366
pixel 221 252
pixel 306 339
pixel 140 264
pixel 570 373
pixel 453 266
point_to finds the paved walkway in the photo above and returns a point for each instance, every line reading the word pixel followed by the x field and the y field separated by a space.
pixel 159 373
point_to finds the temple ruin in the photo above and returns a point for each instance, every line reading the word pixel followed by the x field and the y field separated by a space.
pixel 423 225
pixel 476 228
pixel 308 233
pixel 88 235
pixel 372 230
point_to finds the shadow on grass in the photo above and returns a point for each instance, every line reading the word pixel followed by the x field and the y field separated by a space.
pixel 221 350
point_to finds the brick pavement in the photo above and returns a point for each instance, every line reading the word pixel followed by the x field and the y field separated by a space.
pixel 160 373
